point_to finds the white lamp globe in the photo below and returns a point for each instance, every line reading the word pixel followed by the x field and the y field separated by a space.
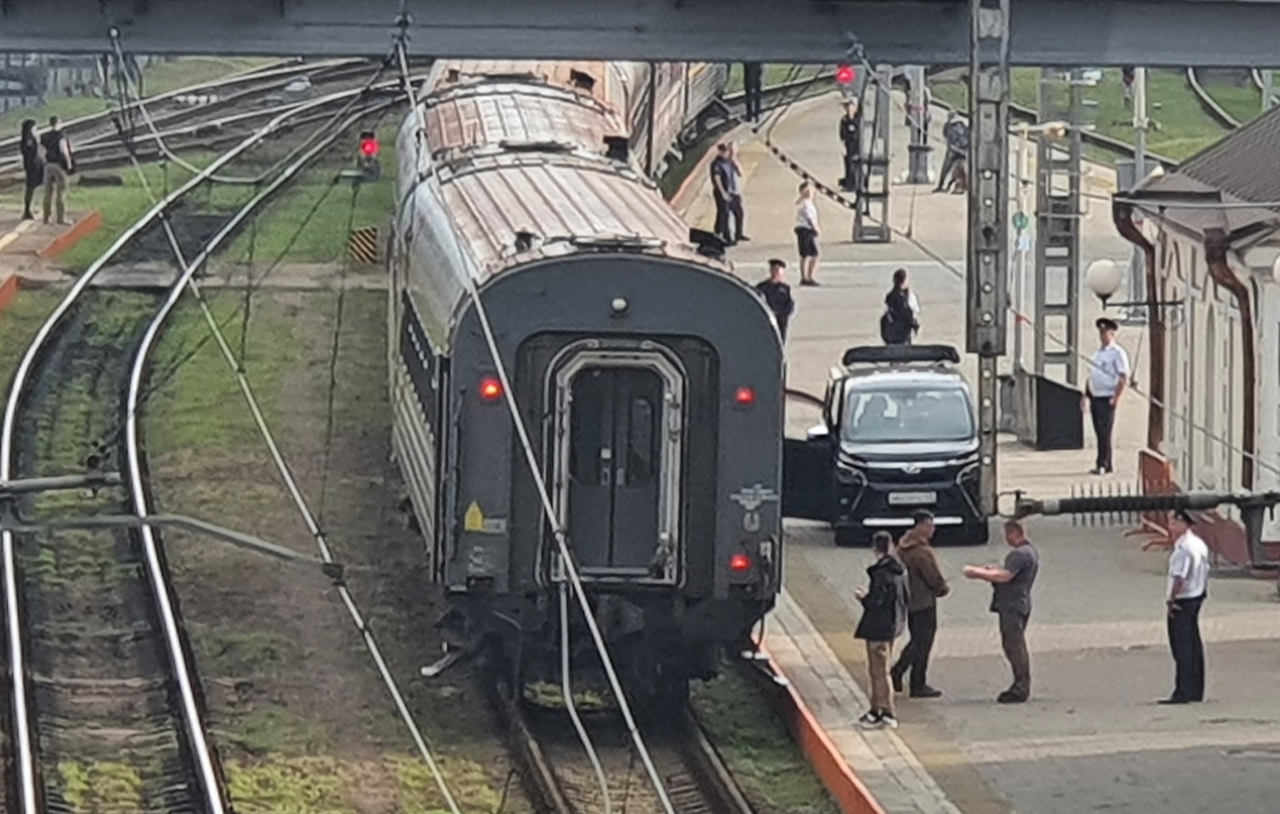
pixel 1104 277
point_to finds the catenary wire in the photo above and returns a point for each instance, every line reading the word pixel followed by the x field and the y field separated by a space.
pixel 291 483
pixel 566 556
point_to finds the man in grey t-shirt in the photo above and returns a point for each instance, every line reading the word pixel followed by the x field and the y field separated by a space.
pixel 1011 599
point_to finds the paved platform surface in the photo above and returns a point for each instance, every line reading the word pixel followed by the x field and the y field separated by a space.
pixel 1092 738
pixel 21 242
pixel 845 310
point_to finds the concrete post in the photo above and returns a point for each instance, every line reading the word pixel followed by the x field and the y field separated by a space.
pixel 988 220
pixel 918 123
pixel 1137 262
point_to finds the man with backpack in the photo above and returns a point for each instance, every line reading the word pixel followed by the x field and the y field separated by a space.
pixel 901 319
pixel 884 615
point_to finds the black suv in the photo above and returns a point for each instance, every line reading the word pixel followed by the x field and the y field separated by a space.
pixel 898 434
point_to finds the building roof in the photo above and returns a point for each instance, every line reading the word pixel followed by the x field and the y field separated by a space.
pixel 1245 164
pixel 1242 168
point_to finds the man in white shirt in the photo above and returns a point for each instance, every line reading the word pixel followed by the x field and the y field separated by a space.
pixel 1188 585
pixel 1108 378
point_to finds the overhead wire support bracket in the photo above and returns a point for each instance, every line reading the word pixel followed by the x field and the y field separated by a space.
pixel 988 221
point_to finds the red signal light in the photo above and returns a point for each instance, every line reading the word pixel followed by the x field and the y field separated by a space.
pixel 744 396
pixel 490 389
pixel 739 563
pixel 845 74
pixel 369 147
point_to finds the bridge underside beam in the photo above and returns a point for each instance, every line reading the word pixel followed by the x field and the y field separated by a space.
pixel 1153 33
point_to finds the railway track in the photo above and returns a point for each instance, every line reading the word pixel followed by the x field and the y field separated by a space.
pixel 105 709
pixel 561 778
pixel 201 117
pixel 1210 106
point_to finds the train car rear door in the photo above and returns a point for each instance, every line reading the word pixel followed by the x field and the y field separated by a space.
pixel 619 460
pixel 808 464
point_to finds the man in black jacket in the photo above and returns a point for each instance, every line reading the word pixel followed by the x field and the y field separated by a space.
pixel 884 615
pixel 777 295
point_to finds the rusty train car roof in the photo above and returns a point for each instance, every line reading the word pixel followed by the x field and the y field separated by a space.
pixel 522 171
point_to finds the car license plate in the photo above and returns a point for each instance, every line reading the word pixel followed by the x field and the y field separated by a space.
pixel 912 498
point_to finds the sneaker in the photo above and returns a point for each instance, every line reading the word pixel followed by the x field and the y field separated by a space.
pixel 1011 697
pixel 887 721
pixel 871 720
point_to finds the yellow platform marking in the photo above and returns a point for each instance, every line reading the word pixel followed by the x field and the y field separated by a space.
pixel 12 236
pixel 474 518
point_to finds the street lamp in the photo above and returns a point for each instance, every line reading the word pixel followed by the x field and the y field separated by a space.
pixel 1104 277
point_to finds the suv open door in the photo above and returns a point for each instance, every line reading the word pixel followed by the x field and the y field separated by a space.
pixel 808 490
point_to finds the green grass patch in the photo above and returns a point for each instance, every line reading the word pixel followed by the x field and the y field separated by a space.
pixel 675 175
pixel 774 73
pixel 18 325
pixel 758 749
pixel 159 77
pixel 288 229
pixel 189 409
pixel 1180 126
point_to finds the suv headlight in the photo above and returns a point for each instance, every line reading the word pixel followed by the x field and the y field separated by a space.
pixel 848 476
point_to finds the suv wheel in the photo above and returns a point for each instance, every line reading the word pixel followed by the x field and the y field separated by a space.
pixel 851 537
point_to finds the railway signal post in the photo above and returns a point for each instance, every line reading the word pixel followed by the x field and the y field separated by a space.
pixel 988 239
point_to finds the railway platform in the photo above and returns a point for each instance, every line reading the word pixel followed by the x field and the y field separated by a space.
pixel 28 247
pixel 1092 737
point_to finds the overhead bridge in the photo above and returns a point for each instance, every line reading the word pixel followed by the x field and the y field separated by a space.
pixel 1097 33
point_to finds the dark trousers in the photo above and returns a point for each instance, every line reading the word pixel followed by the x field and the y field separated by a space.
pixel 728 209
pixel 852 181
pixel 1104 417
pixel 1188 650
pixel 753 87
pixel 1013 638
pixel 948 163
pixel 923 625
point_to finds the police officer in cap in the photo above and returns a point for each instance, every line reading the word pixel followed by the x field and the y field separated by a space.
pixel 1108 377
pixel 1188 586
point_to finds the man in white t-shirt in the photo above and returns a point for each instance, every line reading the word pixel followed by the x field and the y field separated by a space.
pixel 1188 585
pixel 1108 378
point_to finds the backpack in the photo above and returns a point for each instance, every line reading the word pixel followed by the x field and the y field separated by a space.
pixel 898 319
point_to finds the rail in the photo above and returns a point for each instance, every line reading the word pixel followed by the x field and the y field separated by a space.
pixel 1216 111
pixel 29 794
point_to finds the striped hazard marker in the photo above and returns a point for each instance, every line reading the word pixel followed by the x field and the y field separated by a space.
pixel 362 246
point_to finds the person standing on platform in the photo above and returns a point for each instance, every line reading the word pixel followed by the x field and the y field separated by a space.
pixel 807 234
pixel 777 295
pixel 753 89
pixel 884 615
pixel 1108 378
pixel 926 586
pixel 851 139
pixel 1188 586
pixel 901 319
pixel 1011 599
pixel 956 134
pixel 32 165
pixel 726 180
pixel 59 165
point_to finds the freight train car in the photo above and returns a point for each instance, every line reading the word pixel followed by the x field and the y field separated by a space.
pixel 648 376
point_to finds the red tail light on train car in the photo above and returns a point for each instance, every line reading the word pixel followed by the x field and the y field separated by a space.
pixel 744 396
pixel 490 389
pixel 740 563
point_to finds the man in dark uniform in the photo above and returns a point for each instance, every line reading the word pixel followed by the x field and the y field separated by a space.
pixel 753 85
pixel 1011 600
pixel 59 165
pixel 851 138
pixel 777 295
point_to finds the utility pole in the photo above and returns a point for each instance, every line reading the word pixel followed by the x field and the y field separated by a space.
pixel 988 221
pixel 1268 89
pixel 918 124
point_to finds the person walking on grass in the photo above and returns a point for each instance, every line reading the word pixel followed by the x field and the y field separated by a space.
pixel 32 165
pixel 884 615
pixel 926 586
pixel 59 165
pixel 807 234
pixel 1011 600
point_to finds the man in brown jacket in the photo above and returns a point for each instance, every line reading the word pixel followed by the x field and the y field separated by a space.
pixel 926 586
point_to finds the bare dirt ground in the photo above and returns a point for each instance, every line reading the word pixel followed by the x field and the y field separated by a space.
pixel 301 718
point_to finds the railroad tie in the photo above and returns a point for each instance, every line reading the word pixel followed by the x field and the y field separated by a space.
pixel 362 245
